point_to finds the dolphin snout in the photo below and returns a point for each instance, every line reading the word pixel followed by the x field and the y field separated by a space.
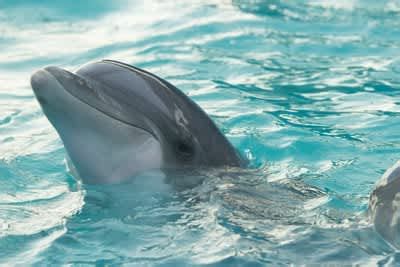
pixel 39 80
pixel 45 84
pixel 44 78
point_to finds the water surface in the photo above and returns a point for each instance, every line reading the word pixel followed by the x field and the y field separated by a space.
pixel 307 91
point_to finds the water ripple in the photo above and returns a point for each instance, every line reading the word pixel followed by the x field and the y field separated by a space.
pixel 307 92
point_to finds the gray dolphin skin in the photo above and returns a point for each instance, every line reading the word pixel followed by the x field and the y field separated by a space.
pixel 116 120
pixel 384 205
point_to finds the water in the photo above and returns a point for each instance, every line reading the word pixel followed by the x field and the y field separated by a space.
pixel 308 92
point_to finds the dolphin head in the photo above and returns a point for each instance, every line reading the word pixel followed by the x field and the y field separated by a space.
pixel 116 120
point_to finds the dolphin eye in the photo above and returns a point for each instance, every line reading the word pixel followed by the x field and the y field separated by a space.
pixel 185 150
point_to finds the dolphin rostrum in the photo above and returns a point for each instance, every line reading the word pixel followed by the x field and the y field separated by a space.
pixel 116 120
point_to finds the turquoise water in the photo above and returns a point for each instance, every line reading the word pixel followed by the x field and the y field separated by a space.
pixel 307 91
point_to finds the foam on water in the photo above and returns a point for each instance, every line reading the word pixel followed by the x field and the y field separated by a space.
pixel 308 92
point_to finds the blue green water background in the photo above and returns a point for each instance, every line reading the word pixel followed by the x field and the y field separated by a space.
pixel 308 91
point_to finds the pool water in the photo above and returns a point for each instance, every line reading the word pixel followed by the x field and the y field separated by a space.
pixel 309 92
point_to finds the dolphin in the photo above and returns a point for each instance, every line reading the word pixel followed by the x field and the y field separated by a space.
pixel 384 205
pixel 116 121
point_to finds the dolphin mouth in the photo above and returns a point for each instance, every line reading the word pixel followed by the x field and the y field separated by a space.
pixel 45 81
pixel 84 90
pixel 40 81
